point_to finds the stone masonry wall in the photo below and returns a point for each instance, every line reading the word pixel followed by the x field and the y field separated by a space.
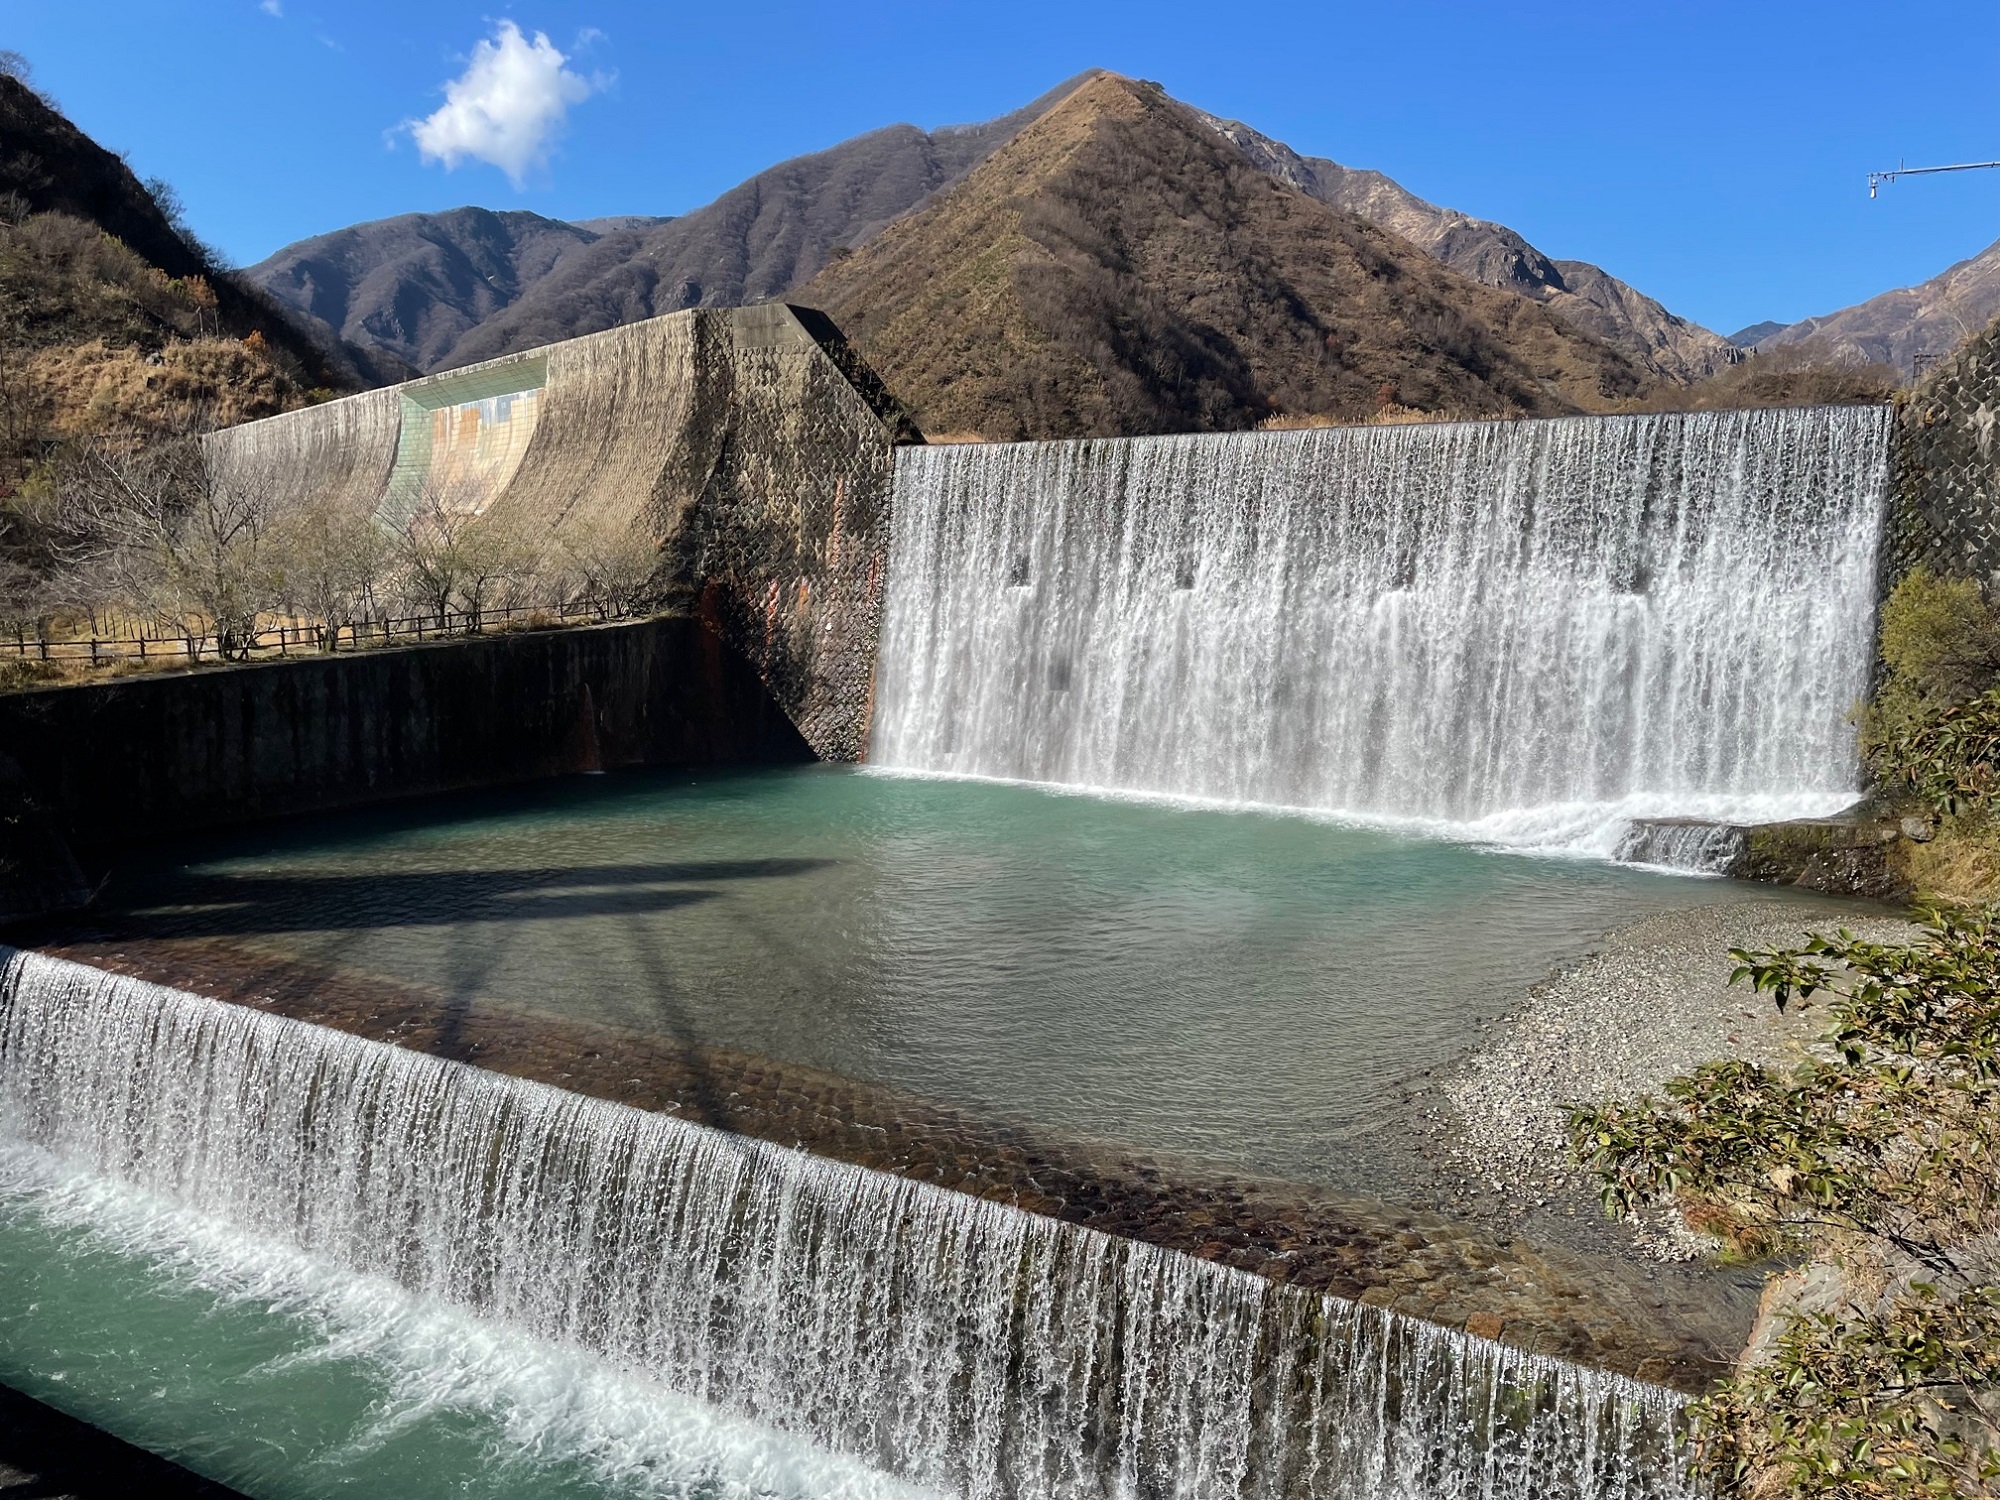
pixel 140 758
pixel 1946 468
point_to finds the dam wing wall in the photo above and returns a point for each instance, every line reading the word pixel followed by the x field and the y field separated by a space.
pixel 751 445
pixel 1947 468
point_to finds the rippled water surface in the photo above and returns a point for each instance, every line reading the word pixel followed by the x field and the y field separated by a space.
pixel 1242 987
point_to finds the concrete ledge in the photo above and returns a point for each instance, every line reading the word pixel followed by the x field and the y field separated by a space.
pixel 126 762
pixel 1840 856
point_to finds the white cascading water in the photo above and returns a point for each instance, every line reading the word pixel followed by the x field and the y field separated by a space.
pixel 1703 848
pixel 961 1345
pixel 1533 631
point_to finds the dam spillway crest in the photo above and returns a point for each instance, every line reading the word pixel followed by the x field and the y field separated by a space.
pixel 1533 631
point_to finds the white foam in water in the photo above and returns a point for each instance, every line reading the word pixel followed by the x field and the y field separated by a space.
pixel 959 1345
pixel 1526 632
pixel 550 1402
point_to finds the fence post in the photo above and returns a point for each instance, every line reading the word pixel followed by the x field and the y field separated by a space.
pixel 142 648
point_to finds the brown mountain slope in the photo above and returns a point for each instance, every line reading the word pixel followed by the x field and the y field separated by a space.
pixel 752 244
pixel 1579 293
pixel 1929 319
pixel 1119 268
pixel 49 167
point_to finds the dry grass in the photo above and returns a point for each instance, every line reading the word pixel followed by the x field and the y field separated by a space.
pixel 1392 414
pixel 1959 866
pixel 97 387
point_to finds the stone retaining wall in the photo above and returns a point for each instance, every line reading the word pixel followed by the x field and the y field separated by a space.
pixel 1945 461
pixel 142 758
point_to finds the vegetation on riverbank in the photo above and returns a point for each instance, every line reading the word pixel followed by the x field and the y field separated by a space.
pixel 1876 1372
pixel 1931 734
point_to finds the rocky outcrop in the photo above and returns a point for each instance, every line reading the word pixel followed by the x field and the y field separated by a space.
pixel 1856 856
pixel 1582 295
pixel 1931 318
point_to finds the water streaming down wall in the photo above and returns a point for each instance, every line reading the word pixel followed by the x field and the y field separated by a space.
pixel 957 1343
pixel 1683 844
pixel 1540 626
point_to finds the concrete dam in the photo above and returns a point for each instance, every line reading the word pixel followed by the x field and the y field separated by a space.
pixel 749 442
pixel 839 1104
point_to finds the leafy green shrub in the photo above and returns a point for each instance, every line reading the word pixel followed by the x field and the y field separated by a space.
pixel 1949 761
pixel 1870 1405
pixel 1885 1156
pixel 1940 645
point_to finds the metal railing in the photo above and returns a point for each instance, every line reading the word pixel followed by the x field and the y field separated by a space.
pixel 283 637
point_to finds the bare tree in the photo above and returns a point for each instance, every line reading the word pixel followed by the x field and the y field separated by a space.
pixel 169 529
pixel 330 563
pixel 493 554
pixel 426 553
pixel 612 562
pixel 448 554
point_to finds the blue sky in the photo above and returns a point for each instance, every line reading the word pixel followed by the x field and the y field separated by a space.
pixel 1711 154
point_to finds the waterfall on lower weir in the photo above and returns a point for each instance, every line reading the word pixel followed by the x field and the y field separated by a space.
pixel 1537 629
pixel 957 1344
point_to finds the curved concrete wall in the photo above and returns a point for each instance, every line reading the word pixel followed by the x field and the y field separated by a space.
pixel 341 452
pixel 750 443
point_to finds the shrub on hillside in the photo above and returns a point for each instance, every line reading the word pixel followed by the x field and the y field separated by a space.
pixel 1802 374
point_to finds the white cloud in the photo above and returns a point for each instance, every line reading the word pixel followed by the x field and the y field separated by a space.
pixel 272 8
pixel 507 108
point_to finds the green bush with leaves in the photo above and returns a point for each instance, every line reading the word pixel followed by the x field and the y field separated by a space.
pixel 1940 645
pixel 1949 761
pixel 1885 1154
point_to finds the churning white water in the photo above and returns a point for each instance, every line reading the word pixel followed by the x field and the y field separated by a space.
pixel 1535 629
pixel 958 1344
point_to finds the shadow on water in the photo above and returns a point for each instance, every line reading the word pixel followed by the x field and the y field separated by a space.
pixel 212 904
pixel 481 911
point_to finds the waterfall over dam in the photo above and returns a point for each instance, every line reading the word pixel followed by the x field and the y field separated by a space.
pixel 954 1343
pixel 1532 630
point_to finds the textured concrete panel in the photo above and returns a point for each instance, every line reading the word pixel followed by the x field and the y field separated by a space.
pixel 1947 468
pixel 751 443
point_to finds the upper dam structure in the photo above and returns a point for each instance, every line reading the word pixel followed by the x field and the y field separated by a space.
pixel 751 443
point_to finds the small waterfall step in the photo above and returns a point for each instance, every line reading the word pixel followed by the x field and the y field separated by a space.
pixel 1692 844
pixel 964 1346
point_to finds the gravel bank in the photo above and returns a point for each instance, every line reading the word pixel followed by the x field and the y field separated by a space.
pixel 1653 1003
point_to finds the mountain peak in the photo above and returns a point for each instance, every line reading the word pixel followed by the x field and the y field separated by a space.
pixel 1119 267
